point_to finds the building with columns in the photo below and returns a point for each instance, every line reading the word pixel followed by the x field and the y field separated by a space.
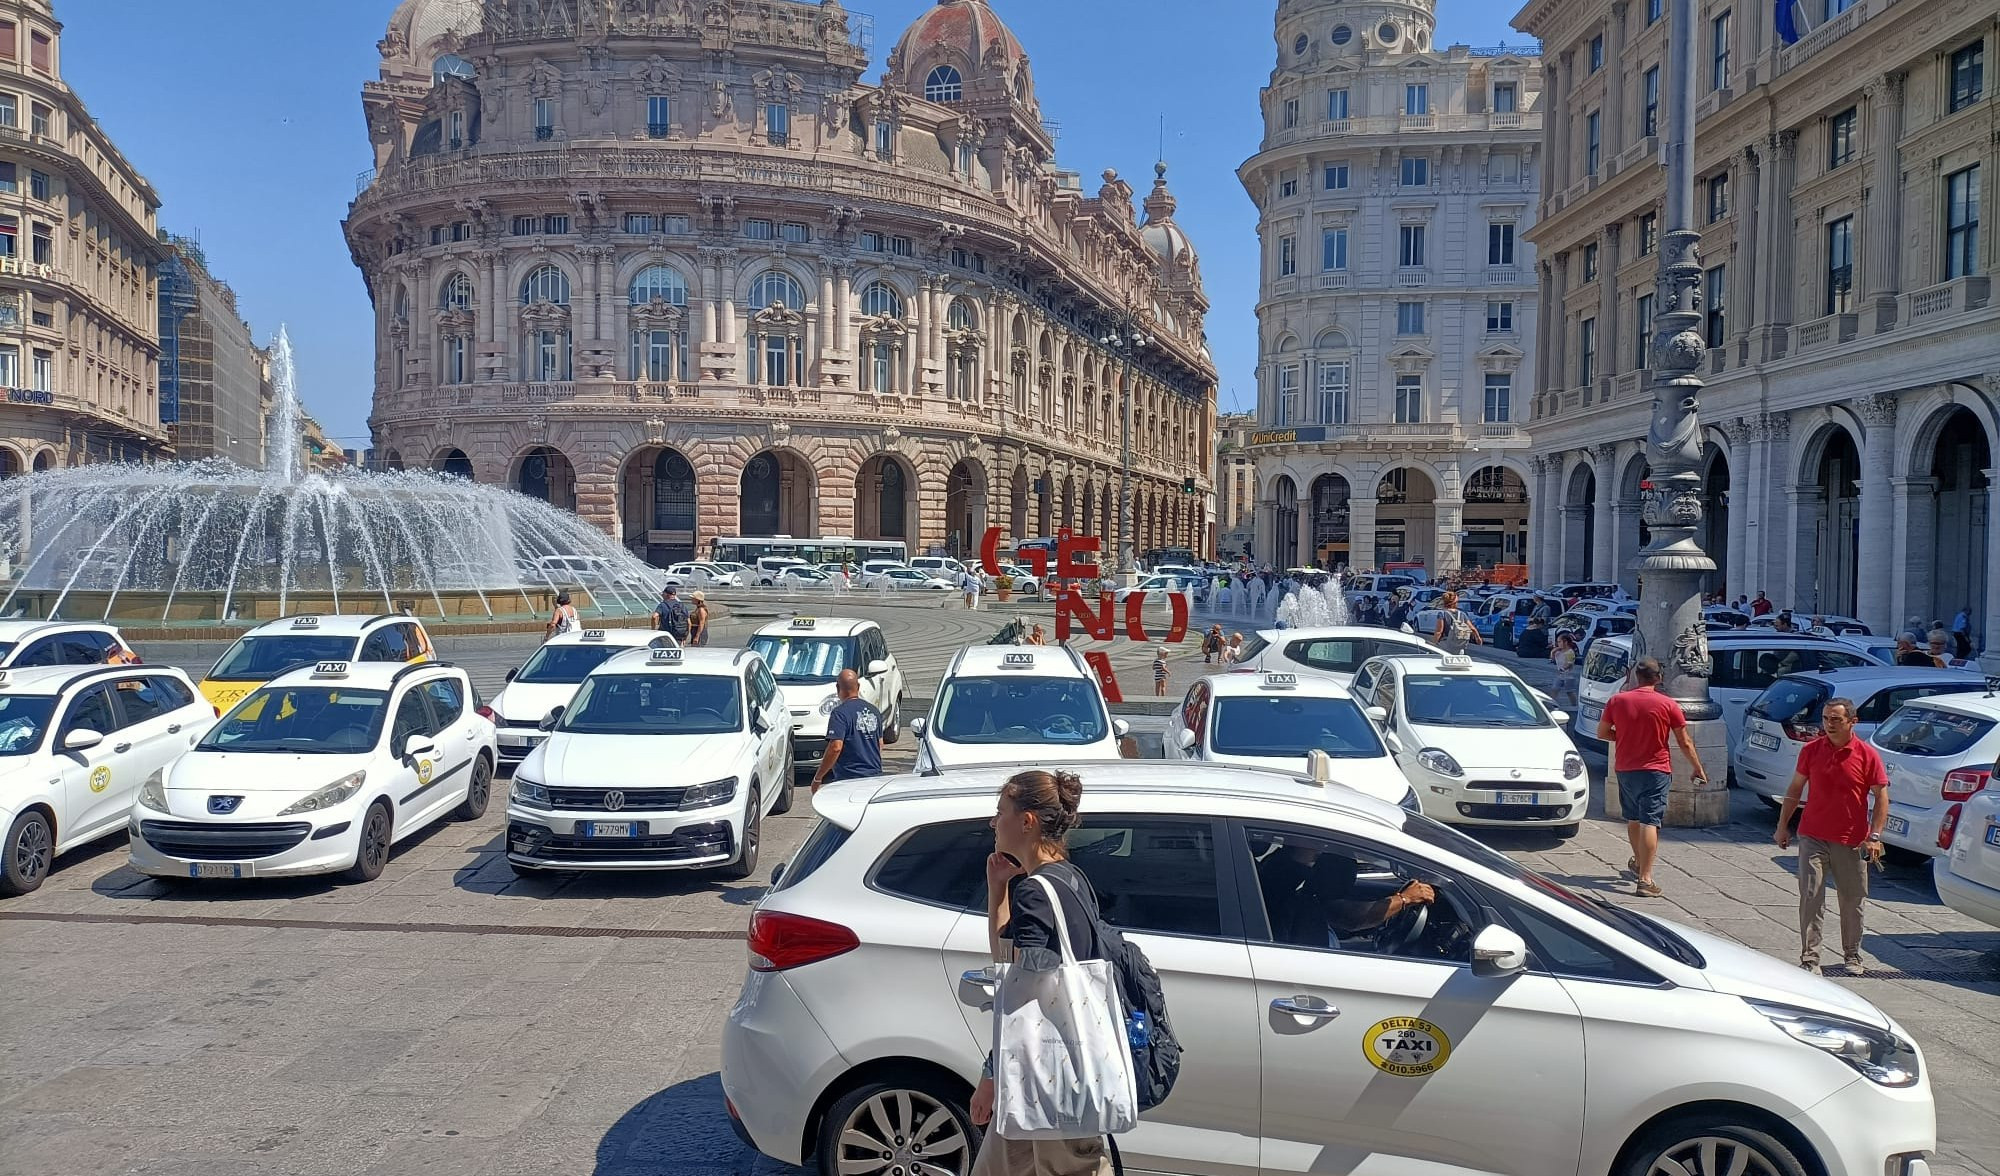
pixel 1235 484
pixel 79 331
pixel 1396 186
pixel 1853 402
pixel 676 267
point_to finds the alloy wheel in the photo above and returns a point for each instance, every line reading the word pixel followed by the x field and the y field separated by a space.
pixel 32 848
pixel 903 1133
pixel 1712 1155
pixel 375 838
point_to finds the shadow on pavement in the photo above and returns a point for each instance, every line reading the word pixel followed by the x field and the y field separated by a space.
pixel 683 1130
pixel 128 883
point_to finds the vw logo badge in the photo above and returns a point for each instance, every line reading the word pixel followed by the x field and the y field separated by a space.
pixel 614 800
pixel 1514 772
pixel 223 805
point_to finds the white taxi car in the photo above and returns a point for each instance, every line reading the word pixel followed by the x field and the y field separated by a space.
pixel 667 758
pixel 322 770
pixel 1005 704
pixel 1334 650
pixel 285 644
pixel 60 643
pixel 1477 743
pixel 549 678
pixel 1492 1030
pixel 1941 752
pixel 806 655
pixel 75 744
pixel 1968 875
pixel 1275 720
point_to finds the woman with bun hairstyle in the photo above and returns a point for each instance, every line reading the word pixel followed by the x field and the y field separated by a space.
pixel 1036 812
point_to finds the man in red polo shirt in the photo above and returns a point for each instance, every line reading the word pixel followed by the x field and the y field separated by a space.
pixel 1841 830
pixel 1637 723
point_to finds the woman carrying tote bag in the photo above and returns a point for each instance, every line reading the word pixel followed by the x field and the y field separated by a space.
pixel 1060 1077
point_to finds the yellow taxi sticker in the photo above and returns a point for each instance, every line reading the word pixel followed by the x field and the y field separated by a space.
pixel 1408 1047
pixel 423 771
pixel 100 777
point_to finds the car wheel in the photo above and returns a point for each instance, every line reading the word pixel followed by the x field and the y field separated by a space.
pixel 373 853
pixel 753 836
pixel 783 803
pixel 31 849
pixel 904 1125
pixel 1565 832
pixel 1710 1143
pixel 1772 802
pixel 893 729
pixel 478 792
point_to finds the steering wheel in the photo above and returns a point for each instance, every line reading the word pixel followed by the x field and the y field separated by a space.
pixel 1016 733
pixel 704 713
pixel 1403 929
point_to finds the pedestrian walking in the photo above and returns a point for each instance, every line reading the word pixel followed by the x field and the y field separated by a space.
pixel 1455 630
pixel 1160 673
pixel 1637 723
pixel 1840 832
pixel 698 620
pixel 563 620
pixel 671 616
pixel 1211 645
pixel 853 735
pixel 968 586
pixel 1563 657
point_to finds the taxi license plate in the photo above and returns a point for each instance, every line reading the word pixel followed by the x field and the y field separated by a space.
pixel 1767 742
pixel 516 741
pixel 218 870
pixel 1993 834
pixel 608 829
pixel 1519 798
pixel 1898 826
pixel 1592 712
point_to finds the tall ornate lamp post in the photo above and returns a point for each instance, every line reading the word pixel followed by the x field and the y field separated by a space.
pixel 1672 565
pixel 1126 340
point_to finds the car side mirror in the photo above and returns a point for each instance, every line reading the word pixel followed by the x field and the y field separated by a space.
pixel 1187 740
pixel 418 746
pixel 1559 717
pixel 82 739
pixel 549 722
pixel 877 667
pixel 1498 951
pixel 1394 744
pixel 1120 728
pixel 917 726
pixel 758 725
pixel 513 673
pixel 1378 714
pixel 777 873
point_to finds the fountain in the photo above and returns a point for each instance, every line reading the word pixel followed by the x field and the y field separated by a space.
pixel 1313 608
pixel 211 541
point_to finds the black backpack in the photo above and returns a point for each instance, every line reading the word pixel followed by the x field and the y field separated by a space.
pixel 1156 1064
pixel 673 617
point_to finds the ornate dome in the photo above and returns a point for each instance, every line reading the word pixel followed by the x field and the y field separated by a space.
pixel 418 28
pixel 1161 234
pixel 966 37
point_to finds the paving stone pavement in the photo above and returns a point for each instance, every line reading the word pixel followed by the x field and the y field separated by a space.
pixel 452 1019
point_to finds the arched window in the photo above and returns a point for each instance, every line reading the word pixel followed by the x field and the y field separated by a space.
pixel 880 298
pixel 401 305
pixel 659 329
pixel 776 289
pixel 457 294
pixel 545 337
pixel 661 282
pixel 777 344
pixel 961 316
pixel 944 85
pixel 961 371
pixel 547 284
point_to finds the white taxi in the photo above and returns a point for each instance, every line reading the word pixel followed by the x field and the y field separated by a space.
pixel 322 770
pixel 549 678
pixel 285 644
pixel 1006 704
pixel 667 758
pixel 1275 719
pixel 1968 873
pixel 61 643
pixel 75 744
pixel 1476 742
pixel 1334 650
pixel 806 655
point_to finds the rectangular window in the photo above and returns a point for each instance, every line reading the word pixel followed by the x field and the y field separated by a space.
pixel 461 230
pixel 759 230
pixel 1499 317
pixel 1336 105
pixel 1409 318
pixel 1654 9
pixel 9 237
pixel 1961 223
pixel 38 118
pixel 1499 398
pixel 1504 168
pixel 1597 53
pixel 526 226
pixel 1288 256
pixel 1840 266
pixel 885 139
pixel 674 225
pixel 778 124
pixel 1718 52
pixel 40 51
pixel 659 116
pixel 1642 338
pixel 1968 75
pixel 638 222
pixel 1586 351
pixel 1409 400
pixel 8 182
pixel 1714 301
pixel 454 359
pixel 1336 379
pixel 1500 243
pixel 1416 171
pixel 437 234
pixel 1649 233
pixel 1718 196
pixel 1416 98
pixel 1840 138
pixel 1288 394
pixel 1649 123
pixel 556 225
pixel 1333 249
pixel 10 41
pixel 1593 140
pixel 1291 113
pixel 874 242
pixel 967 158
pixel 795 232
pixel 10 111
pixel 1505 100
pixel 545 118
pixel 45 371
pixel 1590 262
pixel 10 366
pixel 902 247
pixel 457 129
pixel 1288 185
pixel 1336 177
pixel 44 245
pixel 1410 247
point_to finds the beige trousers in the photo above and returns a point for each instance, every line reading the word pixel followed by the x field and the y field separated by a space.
pixel 1041 1157
pixel 1850 878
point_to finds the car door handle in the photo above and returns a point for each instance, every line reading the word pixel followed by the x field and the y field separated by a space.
pixel 1291 1007
pixel 174 730
pixel 980 978
pixel 122 747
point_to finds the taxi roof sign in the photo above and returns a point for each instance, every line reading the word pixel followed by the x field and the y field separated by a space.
pixel 1455 661
pixel 1016 661
pixel 305 622
pixel 1281 681
pixel 593 635
pixel 330 669
pixel 665 655
pixel 804 622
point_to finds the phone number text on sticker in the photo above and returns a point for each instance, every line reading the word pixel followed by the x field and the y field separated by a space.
pixel 1408 1047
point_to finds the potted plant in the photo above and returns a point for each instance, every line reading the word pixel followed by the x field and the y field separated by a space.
pixel 1004 584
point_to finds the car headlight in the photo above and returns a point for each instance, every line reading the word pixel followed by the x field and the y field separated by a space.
pixel 328 796
pixel 153 793
pixel 1876 1054
pixel 1572 765
pixel 709 795
pixel 529 794
pixel 826 708
pixel 1410 801
pixel 1439 760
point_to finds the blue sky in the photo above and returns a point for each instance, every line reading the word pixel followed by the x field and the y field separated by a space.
pixel 246 115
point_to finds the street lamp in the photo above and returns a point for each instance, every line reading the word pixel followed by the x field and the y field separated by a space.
pixel 1672 565
pixel 1126 340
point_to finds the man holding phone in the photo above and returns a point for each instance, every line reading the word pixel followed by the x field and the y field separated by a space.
pixel 1840 831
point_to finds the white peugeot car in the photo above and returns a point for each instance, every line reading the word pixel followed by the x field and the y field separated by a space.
pixel 806 655
pixel 1476 742
pixel 75 744
pixel 321 770
pixel 549 678
pixel 1494 1030
pixel 1968 873
pixel 667 758
pixel 1275 720
pixel 1003 704
pixel 1941 752
pixel 1336 651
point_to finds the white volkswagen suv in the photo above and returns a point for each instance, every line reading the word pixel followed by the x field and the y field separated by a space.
pixel 1492 1031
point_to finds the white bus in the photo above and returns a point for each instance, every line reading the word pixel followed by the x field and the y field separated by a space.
pixel 831 549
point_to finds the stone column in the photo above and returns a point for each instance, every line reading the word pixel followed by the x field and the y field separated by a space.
pixel 1878 456
pixel 1774 266
pixel 1574 517
pixel 1882 246
pixel 1609 354
pixel 1306 553
pixel 1361 531
pixel 1545 305
pixel 1264 542
pixel 1554 315
pixel 1807 509
pixel 1746 301
pixel 1450 516
pixel 1735 576
pixel 1604 561
pixel 1746 496
pixel 1615 139
pixel 843 313
pixel 1625 543
pixel 1775 506
pixel 1987 631
pixel 827 340
pixel 1561 123
pixel 1914 530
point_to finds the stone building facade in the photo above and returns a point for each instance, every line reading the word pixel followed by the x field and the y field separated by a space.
pixel 1396 185
pixel 673 265
pixel 1853 401
pixel 1235 484
pixel 79 331
pixel 215 382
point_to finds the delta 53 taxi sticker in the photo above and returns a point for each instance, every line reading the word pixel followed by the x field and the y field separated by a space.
pixel 1408 1047
pixel 100 777
pixel 423 771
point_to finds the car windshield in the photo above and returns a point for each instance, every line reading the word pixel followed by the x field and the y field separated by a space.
pixel 565 665
pixel 1790 700
pixel 655 704
pixel 1292 725
pixel 24 719
pixel 1606 663
pixel 1930 731
pixel 1470 700
pixel 1019 709
pixel 259 658
pixel 301 720
pixel 805 659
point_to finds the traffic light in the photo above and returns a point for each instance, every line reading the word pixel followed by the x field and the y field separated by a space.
pixel 1187 485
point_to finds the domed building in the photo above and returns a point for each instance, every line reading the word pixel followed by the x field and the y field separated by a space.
pixel 674 265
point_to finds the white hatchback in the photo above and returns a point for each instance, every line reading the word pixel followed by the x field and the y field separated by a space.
pixel 1276 720
pixel 549 678
pixel 1968 875
pixel 1941 753
pixel 1003 704
pixel 1786 716
pixel 806 655
pixel 1491 1031
pixel 1336 651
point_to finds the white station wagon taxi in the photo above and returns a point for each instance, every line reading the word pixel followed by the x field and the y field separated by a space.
pixel 320 771
pixel 549 678
pixel 1275 720
pixel 290 642
pixel 667 758
pixel 806 655
pixel 1004 704
pixel 75 744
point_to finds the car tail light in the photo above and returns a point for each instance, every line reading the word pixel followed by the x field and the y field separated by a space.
pixel 1961 784
pixel 779 941
pixel 485 712
pixel 1799 733
pixel 1948 828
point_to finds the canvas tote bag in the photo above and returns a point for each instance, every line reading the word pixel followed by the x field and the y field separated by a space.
pixel 1061 1065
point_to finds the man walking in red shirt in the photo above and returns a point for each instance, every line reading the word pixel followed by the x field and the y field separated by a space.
pixel 1840 831
pixel 1637 723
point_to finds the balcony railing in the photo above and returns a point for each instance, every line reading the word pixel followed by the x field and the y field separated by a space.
pixel 1336 280
pixel 1820 39
pixel 1413 277
pixel 1946 298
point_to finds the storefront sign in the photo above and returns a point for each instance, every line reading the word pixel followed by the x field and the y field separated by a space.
pixel 30 396
pixel 1288 436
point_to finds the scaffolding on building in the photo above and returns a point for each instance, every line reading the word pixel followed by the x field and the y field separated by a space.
pixel 177 301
